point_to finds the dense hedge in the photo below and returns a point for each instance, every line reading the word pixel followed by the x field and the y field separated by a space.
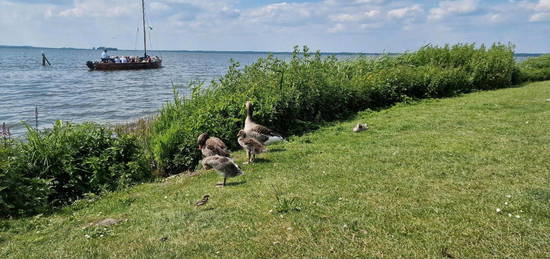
pixel 291 96
pixel 535 69
pixel 57 166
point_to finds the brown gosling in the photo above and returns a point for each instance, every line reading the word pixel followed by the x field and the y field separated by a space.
pixel 251 145
pixel 225 166
pixel 360 127
pixel 254 130
pixel 210 146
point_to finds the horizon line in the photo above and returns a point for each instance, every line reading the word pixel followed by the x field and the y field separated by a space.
pixel 243 51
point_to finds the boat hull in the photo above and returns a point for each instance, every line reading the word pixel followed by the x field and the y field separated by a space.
pixel 123 66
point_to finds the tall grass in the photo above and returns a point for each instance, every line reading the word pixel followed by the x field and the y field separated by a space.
pixel 293 96
pixel 55 167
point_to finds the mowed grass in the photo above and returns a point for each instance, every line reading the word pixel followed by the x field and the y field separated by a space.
pixel 424 181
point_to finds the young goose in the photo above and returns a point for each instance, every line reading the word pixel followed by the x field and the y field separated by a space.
pixel 360 127
pixel 251 145
pixel 225 166
pixel 211 146
pixel 254 130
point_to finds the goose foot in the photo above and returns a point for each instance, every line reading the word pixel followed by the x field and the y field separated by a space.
pixel 220 184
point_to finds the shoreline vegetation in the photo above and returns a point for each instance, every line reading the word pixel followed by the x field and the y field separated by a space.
pixel 55 167
pixel 462 177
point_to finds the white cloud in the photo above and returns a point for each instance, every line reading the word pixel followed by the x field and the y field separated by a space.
pixel 350 17
pixel 540 17
pixel 337 28
pixel 159 6
pixel 400 13
pixel 494 17
pixel 448 8
pixel 101 8
pixel 541 10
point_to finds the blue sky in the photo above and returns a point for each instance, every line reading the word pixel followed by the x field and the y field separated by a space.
pixel 327 25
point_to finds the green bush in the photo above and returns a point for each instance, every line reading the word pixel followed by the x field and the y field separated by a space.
pixel 20 194
pixel 56 166
pixel 535 69
pixel 293 96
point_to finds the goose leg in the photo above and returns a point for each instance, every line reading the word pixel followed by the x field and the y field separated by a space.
pixel 248 156
pixel 222 184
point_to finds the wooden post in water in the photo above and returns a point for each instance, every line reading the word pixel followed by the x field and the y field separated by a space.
pixel 36 117
pixel 45 60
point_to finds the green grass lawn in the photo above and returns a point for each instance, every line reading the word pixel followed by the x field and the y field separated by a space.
pixel 424 181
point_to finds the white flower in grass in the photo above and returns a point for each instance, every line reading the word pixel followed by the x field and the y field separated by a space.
pixel 518 216
pixel 509 215
pixel 506 203
pixel 87 236
pixel 498 210
pixel 508 196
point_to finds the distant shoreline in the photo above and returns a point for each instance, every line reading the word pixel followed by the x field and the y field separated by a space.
pixel 251 51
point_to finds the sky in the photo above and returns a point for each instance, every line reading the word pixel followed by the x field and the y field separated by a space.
pixel 247 25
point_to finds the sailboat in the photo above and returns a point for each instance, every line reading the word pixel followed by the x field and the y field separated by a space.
pixel 145 62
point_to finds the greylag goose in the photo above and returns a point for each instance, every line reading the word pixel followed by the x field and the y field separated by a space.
pixel 251 145
pixel 211 146
pixel 261 133
pixel 225 166
pixel 360 127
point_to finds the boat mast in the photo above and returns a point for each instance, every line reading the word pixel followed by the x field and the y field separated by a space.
pixel 144 33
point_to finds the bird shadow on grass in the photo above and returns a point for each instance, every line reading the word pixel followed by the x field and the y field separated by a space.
pixel 261 160
pixel 235 183
pixel 275 150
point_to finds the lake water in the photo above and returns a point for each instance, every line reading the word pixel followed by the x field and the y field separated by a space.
pixel 69 91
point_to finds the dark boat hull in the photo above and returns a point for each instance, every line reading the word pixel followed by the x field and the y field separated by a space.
pixel 124 66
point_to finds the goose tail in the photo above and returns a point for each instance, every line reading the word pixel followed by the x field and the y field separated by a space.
pixel 274 139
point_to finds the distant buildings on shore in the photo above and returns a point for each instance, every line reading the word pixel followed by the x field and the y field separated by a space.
pixel 104 48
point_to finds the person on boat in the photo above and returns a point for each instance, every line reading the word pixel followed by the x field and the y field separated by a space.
pixel 123 59
pixel 104 56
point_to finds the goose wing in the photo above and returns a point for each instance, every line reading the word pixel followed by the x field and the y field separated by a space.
pixel 253 145
pixel 213 141
pixel 216 150
pixel 265 131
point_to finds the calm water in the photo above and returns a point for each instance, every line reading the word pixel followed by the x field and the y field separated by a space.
pixel 67 90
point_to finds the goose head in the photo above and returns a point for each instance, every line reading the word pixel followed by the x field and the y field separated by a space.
pixel 241 134
pixel 201 140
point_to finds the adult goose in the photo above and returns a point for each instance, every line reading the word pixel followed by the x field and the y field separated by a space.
pixel 261 133
pixel 211 146
pixel 225 166
pixel 251 145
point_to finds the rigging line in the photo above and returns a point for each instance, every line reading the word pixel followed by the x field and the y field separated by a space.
pixel 135 42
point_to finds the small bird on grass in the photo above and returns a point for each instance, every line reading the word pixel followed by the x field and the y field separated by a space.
pixel 360 127
pixel 225 166
pixel 203 201
pixel 251 145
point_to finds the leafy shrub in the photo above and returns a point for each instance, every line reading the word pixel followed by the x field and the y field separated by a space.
pixel 57 166
pixel 20 194
pixel 535 69
pixel 293 96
